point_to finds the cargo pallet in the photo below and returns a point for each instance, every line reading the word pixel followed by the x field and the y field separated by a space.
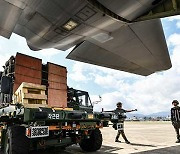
pixel 31 95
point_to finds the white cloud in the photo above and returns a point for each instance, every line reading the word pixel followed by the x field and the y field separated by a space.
pixel 48 52
pixel 175 18
pixel 172 18
pixel 174 39
pixel 178 24
pixel 77 72
pixel 100 75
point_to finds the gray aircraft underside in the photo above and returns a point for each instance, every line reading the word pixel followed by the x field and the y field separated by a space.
pixel 119 34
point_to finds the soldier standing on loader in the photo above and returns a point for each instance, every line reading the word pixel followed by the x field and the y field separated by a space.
pixel 175 118
pixel 119 111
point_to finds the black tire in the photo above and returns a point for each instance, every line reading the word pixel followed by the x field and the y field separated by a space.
pixel 94 143
pixel 16 141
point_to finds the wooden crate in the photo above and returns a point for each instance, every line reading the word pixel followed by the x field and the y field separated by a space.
pixel 57 85
pixel 31 95
pixel 57 78
pixel 28 61
pixel 57 69
pixel 57 89
pixel 27 69
pixel 57 98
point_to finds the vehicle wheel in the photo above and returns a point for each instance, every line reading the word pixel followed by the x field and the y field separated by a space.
pixel 93 143
pixel 16 141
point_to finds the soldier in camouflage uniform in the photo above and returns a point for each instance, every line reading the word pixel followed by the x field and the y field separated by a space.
pixel 120 112
pixel 175 118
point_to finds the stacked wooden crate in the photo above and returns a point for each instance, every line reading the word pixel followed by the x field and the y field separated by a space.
pixel 54 77
pixel 27 69
pixel 57 86
pixel 31 95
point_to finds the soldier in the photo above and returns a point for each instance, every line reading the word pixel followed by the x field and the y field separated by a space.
pixel 175 118
pixel 119 111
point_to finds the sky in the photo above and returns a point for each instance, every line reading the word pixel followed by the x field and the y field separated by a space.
pixel 149 94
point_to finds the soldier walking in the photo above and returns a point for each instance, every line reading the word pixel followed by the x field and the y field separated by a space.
pixel 175 118
pixel 120 112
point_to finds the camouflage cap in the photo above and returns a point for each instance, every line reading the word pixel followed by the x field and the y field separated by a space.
pixel 175 101
pixel 119 103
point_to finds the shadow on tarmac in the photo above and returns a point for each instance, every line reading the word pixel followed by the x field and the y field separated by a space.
pixel 168 150
pixel 77 150
pixel 143 145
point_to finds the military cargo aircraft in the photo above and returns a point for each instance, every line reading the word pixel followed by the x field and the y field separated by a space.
pixel 125 35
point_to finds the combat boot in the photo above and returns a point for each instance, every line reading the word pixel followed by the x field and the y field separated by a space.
pixel 116 140
pixel 127 142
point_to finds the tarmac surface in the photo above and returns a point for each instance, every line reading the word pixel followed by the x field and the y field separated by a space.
pixel 145 138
